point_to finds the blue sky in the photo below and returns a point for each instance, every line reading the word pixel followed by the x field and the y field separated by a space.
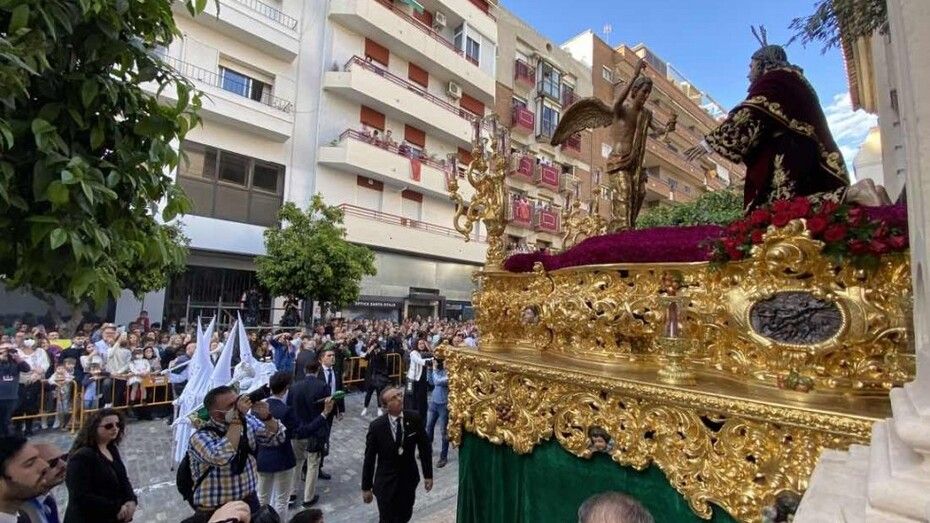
pixel 709 42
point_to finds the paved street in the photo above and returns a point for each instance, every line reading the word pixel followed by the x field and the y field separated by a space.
pixel 147 453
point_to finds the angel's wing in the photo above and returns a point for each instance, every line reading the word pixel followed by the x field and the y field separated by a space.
pixel 587 113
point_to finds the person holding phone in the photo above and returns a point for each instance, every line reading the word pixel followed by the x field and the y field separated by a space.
pixel 11 365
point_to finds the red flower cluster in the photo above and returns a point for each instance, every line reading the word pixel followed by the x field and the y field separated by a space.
pixel 846 231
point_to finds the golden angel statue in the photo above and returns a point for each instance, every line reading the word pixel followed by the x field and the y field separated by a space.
pixel 629 122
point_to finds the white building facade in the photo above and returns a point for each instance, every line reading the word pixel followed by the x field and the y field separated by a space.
pixel 293 94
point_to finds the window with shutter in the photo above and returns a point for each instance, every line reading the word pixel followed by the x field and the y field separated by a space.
pixel 377 52
pixel 372 118
pixel 415 136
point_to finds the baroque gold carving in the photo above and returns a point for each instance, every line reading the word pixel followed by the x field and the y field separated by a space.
pixel 735 453
pixel 612 314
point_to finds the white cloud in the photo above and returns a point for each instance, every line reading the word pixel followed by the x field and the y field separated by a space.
pixel 849 127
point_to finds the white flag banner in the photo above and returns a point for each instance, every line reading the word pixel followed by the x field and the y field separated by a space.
pixel 250 373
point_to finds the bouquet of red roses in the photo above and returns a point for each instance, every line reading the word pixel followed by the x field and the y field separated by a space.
pixel 847 231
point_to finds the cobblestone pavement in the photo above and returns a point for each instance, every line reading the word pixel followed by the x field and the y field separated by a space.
pixel 147 451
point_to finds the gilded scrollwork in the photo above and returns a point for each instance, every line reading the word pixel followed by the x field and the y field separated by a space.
pixel 612 314
pixel 714 450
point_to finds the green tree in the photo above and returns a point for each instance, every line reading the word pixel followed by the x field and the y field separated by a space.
pixel 835 20
pixel 307 256
pixel 85 152
pixel 715 207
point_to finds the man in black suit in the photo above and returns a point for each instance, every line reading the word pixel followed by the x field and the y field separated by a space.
pixel 391 441
pixel 333 381
pixel 308 397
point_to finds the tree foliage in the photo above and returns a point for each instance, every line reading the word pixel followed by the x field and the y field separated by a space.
pixel 309 257
pixel 834 20
pixel 715 207
pixel 85 152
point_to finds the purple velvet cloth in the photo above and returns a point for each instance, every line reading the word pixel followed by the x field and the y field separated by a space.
pixel 893 215
pixel 659 244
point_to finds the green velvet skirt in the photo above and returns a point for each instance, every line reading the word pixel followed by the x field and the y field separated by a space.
pixel 497 485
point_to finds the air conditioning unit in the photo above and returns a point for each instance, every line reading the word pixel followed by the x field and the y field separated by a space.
pixel 439 20
pixel 454 90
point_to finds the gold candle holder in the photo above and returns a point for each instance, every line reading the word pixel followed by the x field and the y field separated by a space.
pixel 673 347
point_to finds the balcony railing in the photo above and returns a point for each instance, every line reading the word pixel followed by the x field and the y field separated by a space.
pixel 522 119
pixel 461 112
pixel 524 73
pixel 546 221
pixel 548 177
pixel 520 212
pixel 393 219
pixel 212 78
pixel 270 13
pixel 422 27
pixel 397 149
pixel 526 166
pixel 573 143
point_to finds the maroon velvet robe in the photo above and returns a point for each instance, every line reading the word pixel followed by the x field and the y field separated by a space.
pixel 780 133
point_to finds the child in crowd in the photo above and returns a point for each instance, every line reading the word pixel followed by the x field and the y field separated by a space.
pixel 62 382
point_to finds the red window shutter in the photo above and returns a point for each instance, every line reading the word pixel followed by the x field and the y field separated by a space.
pixel 418 75
pixel 411 195
pixel 415 136
pixel 371 118
pixel 464 156
pixel 368 183
pixel 470 104
pixel 376 52
pixel 482 4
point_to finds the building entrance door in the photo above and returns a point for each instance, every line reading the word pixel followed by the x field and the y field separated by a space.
pixel 423 310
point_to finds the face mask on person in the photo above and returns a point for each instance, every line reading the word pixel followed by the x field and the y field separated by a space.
pixel 29 343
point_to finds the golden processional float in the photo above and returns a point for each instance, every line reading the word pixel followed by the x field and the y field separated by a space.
pixel 717 385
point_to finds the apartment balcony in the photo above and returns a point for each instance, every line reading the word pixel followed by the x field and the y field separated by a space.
pixel 546 130
pixel 409 37
pixel 358 154
pixel 674 160
pixel 390 231
pixel 573 143
pixel 548 177
pixel 252 22
pixel 526 167
pixel 522 120
pixel 524 74
pixel 520 213
pixel 657 189
pixel 477 17
pixel 368 84
pixel 268 116
pixel 547 221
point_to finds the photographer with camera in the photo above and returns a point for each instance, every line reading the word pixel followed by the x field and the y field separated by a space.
pixel 222 452
pixel 377 375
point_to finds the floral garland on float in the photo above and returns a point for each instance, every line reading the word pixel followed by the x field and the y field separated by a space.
pixel 849 233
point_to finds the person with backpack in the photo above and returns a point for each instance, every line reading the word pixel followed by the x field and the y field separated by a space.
pixel 220 462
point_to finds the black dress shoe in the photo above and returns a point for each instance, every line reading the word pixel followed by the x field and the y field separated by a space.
pixel 323 475
pixel 307 504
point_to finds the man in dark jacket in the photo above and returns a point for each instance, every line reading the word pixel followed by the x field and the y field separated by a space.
pixel 312 404
pixel 10 367
pixel 390 445
pixel 276 463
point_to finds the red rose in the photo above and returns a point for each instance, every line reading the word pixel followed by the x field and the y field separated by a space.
pixel 780 219
pixel 878 247
pixel 827 208
pixel 858 246
pixel 835 232
pixel 816 224
pixel 759 217
pixel 757 236
pixel 735 254
pixel 781 206
pixel 800 207
pixel 897 242
pixel 738 228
